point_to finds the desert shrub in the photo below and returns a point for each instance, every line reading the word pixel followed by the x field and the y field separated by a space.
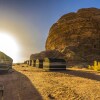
pixel 95 67
pixel 90 67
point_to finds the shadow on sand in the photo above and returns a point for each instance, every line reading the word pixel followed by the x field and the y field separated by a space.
pixel 84 74
pixel 17 86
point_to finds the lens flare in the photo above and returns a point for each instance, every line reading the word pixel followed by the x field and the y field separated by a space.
pixel 8 45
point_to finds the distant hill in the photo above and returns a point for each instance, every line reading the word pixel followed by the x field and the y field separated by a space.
pixel 77 35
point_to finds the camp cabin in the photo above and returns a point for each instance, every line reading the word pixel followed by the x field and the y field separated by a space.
pixel 54 64
pixel 39 63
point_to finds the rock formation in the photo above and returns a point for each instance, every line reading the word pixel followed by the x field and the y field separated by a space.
pixel 77 35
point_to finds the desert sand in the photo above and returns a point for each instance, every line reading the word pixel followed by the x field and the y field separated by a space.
pixel 30 83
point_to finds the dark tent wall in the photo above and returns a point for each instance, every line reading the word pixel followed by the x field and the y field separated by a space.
pixel 39 63
pixel 54 64
pixel 33 63
pixel 27 62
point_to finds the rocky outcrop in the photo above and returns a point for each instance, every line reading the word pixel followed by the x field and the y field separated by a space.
pixel 77 35
pixel 48 53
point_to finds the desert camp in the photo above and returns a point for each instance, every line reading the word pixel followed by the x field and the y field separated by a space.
pixel 49 49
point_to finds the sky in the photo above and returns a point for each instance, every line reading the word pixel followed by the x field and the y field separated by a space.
pixel 29 21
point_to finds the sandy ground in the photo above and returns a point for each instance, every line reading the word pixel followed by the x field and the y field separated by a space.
pixel 30 83
pixel 17 86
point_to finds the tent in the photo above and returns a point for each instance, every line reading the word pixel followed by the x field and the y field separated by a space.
pixel 39 63
pixel 54 64
pixel 5 62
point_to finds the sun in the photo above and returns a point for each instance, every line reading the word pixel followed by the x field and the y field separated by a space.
pixel 8 45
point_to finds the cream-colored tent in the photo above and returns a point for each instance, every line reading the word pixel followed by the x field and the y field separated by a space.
pixel 30 62
pixel 5 62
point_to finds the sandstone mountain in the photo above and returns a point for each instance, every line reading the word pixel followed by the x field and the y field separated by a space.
pixel 77 35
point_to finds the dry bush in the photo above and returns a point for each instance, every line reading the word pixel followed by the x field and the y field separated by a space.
pixel 95 67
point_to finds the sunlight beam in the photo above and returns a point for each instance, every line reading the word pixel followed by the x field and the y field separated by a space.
pixel 8 45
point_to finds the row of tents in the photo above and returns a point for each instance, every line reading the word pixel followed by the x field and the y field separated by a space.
pixel 48 63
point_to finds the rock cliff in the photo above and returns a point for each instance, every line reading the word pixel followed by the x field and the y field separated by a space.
pixel 77 35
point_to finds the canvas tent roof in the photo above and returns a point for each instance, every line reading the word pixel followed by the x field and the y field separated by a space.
pixel 40 60
pixel 47 53
pixel 55 60
pixel 5 57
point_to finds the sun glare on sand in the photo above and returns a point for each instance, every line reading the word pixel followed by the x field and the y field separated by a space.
pixel 8 45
